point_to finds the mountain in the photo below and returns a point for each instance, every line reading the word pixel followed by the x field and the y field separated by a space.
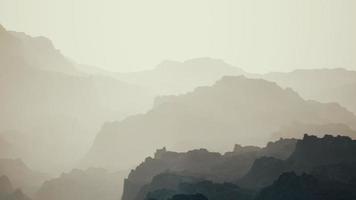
pixel 5 185
pixel 87 184
pixel 327 157
pixel 290 186
pixel 160 188
pixel 297 130
pixel 21 176
pixel 7 192
pixel 172 77
pixel 48 103
pixel 200 164
pixel 325 85
pixel 233 110
pixel 38 52
pixel 317 169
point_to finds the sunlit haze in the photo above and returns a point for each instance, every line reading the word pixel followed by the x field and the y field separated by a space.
pixel 130 35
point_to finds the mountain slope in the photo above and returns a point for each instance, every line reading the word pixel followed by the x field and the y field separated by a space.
pixel 172 77
pixel 233 110
pixel 325 85
pixel 329 156
pixel 90 184
pixel 201 164
pixel 48 103
pixel 21 175
pixel 7 192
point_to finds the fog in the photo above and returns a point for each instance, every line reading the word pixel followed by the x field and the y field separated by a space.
pixel 155 99
pixel 132 35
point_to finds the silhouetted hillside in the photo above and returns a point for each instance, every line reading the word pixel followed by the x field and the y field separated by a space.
pixel 290 186
pixel 234 109
pixel 318 169
pixel 172 77
pixel 201 164
pixel 159 190
pixel 329 156
pixel 91 184
pixel 325 85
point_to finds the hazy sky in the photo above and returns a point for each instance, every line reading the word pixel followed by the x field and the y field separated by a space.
pixel 130 35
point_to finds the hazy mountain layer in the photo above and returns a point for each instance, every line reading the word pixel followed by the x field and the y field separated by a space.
pixel 172 77
pixel 297 130
pixel 49 107
pixel 325 85
pixel 90 184
pixel 21 176
pixel 7 192
pixel 233 110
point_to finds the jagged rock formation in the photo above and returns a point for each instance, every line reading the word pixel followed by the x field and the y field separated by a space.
pixel 213 117
pixel 90 184
pixel 328 156
pixel 198 164
pixel 317 169
pixel 47 102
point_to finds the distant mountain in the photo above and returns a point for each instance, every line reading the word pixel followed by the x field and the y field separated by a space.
pixel 18 49
pixel 21 176
pixel 297 130
pixel 327 157
pixel 7 192
pixel 201 164
pixel 172 77
pixel 90 184
pixel 233 110
pixel 48 103
pixel 5 185
pixel 325 85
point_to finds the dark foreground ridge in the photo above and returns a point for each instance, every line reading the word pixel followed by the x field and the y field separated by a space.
pixel 315 169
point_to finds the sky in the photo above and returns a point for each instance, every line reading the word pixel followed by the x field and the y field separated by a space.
pixel 131 35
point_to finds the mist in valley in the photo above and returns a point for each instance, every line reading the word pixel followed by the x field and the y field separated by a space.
pixel 183 100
